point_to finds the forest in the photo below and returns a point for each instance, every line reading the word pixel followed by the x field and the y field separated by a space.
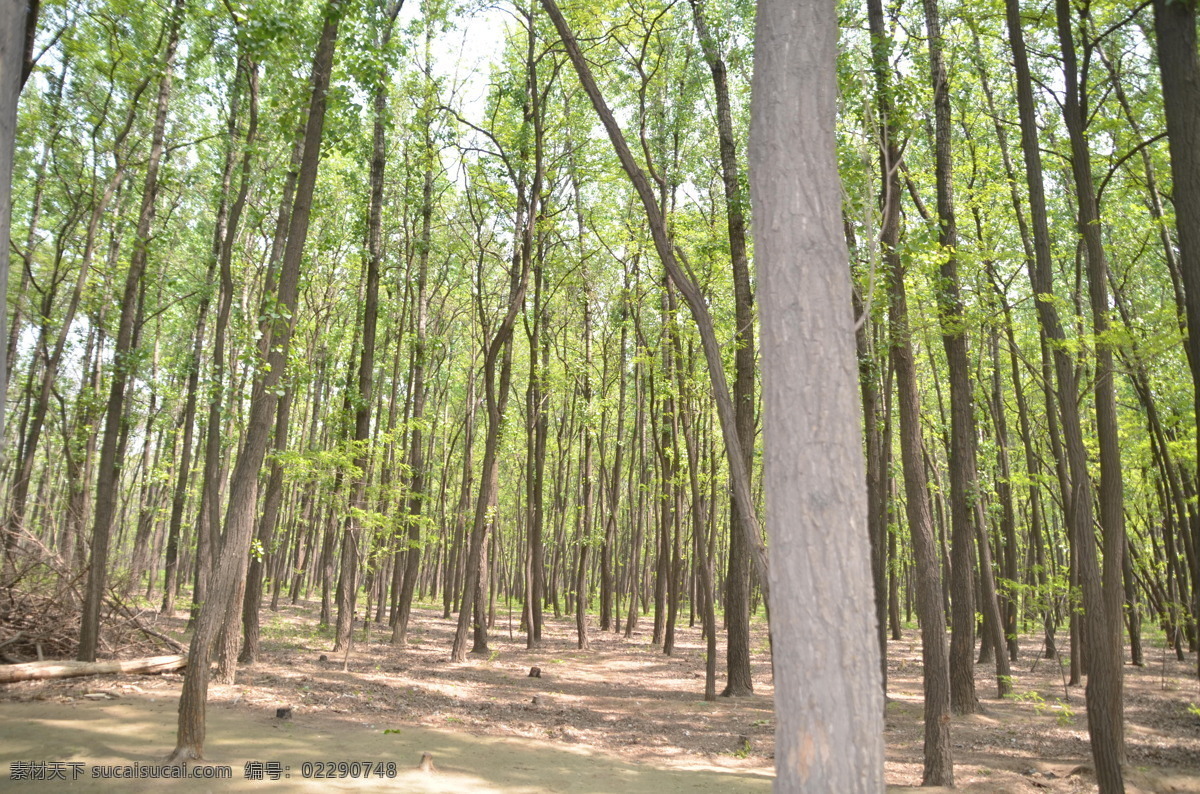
pixel 819 371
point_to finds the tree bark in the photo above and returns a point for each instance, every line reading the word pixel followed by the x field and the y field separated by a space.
pixel 829 733
pixel 13 14
pixel 44 671
pixel 272 501
pixel 964 479
pixel 351 562
pixel 1105 648
pixel 498 354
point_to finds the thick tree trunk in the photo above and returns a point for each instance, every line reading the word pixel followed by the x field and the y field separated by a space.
pixel 829 735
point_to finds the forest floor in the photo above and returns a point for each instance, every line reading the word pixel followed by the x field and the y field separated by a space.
pixel 618 717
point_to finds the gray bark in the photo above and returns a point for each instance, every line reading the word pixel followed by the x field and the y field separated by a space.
pixel 829 735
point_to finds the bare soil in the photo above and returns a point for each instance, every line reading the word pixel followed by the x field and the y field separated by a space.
pixel 619 717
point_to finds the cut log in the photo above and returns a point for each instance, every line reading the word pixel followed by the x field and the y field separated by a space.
pixel 38 671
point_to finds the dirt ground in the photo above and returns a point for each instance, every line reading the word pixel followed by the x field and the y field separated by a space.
pixel 619 717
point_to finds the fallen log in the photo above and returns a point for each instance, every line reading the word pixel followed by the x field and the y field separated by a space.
pixel 40 671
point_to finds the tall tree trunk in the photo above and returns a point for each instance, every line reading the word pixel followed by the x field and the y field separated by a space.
pixel 1103 714
pixel 416 461
pixel 1179 63
pixel 13 15
pixel 497 355
pixel 108 475
pixel 537 400
pixel 1004 493
pixel 964 478
pixel 643 486
pixel 608 563
pixel 829 734
pixel 1105 648
pixel 352 556
pixel 691 295
pixel 737 582
pixel 239 520
pixel 939 768
pixel 586 472
pixel 453 581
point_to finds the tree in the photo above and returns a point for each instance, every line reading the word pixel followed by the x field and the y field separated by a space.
pixel 965 511
pixel 12 51
pixel 737 589
pixel 687 288
pixel 123 361
pixel 352 549
pixel 1103 714
pixel 939 766
pixel 830 715
pixel 239 518
pixel 1179 64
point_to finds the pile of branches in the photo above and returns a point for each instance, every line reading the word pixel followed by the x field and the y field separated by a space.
pixel 40 607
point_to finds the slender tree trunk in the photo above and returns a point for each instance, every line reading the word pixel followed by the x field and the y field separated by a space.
pixel 737 582
pixel 643 485
pixel 239 521
pixel 1105 684
pixel 499 352
pixel 608 563
pixel 416 460
pixel 1103 715
pixel 13 15
pixel 108 476
pixel 586 476
pixel 691 294
pixel 939 769
pixel 537 412
pixel 1004 493
pixel 964 479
